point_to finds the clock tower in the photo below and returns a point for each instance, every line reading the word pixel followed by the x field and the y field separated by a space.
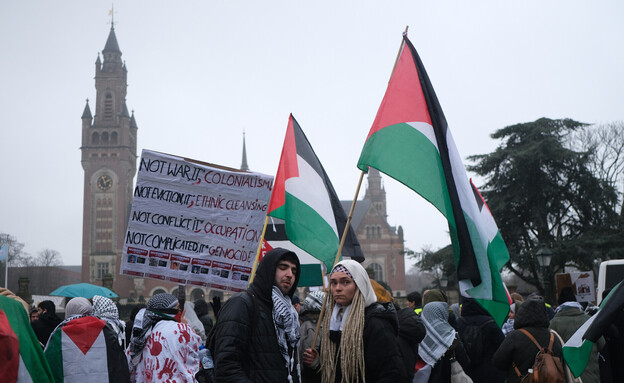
pixel 109 145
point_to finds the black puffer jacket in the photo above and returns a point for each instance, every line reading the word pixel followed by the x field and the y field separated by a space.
pixel 411 333
pixel 381 354
pixel 481 368
pixel 246 348
pixel 517 347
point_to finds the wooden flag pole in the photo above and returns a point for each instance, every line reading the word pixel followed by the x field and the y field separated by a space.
pixel 357 192
pixel 255 265
pixel 398 54
pixel 342 241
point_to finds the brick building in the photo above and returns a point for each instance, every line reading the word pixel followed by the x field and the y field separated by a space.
pixel 382 244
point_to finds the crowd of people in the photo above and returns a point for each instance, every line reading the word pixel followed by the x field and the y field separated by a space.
pixel 347 333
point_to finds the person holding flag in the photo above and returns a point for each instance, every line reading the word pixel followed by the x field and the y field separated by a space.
pixel 358 338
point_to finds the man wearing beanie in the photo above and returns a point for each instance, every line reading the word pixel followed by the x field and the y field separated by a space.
pixel 257 332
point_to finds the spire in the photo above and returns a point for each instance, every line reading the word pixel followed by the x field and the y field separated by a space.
pixel 86 114
pixel 111 43
pixel 244 165
pixel 133 123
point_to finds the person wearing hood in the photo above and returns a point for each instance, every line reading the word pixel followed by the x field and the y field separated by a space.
pixel 257 332
pixel 104 308
pixel 569 316
pixel 440 345
pixel 517 350
pixel 475 317
pixel 47 321
pixel 358 337
pixel 411 333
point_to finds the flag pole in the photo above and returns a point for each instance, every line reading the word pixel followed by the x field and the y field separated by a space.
pixel 255 265
pixel 357 192
pixel 398 53
pixel 342 241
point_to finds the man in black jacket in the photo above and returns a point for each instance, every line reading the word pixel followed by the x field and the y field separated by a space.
pixel 257 331
pixel 46 323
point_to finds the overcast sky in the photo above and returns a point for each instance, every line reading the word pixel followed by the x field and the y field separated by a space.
pixel 202 72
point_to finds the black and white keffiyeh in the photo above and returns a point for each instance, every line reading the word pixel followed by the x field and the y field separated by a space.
pixel 286 322
pixel 160 307
pixel 106 309
pixel 440 334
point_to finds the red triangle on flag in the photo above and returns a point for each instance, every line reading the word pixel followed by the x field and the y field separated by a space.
pixel 84 331
pixel 287 168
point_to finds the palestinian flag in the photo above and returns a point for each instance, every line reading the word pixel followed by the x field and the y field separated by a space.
pixel 29 364
pixel 305 199
pixel 410 141
pixel 577 349
pixel 80 352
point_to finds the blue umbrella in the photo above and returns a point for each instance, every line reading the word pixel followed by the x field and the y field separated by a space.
pixel 85 290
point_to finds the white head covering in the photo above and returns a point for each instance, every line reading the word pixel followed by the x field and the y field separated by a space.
pixel 78 306
pixel 360 276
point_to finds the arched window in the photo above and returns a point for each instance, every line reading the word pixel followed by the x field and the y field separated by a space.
pixel 368 232
pixel 113 138
pixel 105 137
pixel 378 231
pixel 95 138
pixel 378 270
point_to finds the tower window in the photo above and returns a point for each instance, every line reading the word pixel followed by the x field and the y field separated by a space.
pixel 113 138
pixel 108 106
pixel 378 271
pixel 105 138
pixel 95 138
pixel 104 225
pixel 102 269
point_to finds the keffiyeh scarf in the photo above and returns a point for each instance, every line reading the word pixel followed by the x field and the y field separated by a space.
pixel 286 322
pixel 105 309
pixel 160 307
pixel 440 334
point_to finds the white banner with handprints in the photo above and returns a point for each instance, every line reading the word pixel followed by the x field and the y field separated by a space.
pixel 195 223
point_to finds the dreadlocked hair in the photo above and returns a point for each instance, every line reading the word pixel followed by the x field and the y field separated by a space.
pixel 351 347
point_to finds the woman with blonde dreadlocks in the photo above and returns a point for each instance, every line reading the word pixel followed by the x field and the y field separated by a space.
pixel 358 337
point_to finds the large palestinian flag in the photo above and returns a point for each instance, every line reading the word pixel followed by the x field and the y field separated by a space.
pixel 410 141
pixel 79 352
pixel 577 350
pixel 304 198
pixel 28 364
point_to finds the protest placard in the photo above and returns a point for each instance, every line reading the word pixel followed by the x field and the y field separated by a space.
pixel 194 223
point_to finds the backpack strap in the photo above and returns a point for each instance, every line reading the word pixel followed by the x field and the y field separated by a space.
pixel 539 347
pixel 550 344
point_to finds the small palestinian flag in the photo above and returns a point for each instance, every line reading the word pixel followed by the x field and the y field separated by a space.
pixel 577 349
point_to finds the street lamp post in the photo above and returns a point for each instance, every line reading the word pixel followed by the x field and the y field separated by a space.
pixel 544 256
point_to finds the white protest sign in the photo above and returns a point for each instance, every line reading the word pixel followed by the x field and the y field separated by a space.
pixel 195 223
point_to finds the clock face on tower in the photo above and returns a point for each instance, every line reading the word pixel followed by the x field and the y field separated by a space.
pixel 105 182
